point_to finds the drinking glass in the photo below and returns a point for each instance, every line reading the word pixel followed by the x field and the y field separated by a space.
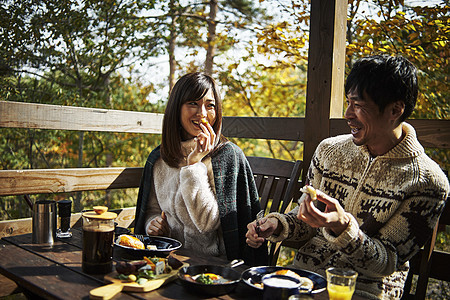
pixel 341 283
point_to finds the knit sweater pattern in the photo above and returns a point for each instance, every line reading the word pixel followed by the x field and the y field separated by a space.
pixel 393 202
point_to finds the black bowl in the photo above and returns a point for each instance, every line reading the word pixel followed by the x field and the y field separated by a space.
pixel 210 289
pixel 165 245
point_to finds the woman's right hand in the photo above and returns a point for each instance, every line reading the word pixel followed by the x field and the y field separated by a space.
pixel 159 226
pixel 204 144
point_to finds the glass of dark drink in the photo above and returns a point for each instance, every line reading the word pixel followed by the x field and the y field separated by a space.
pixel 98 240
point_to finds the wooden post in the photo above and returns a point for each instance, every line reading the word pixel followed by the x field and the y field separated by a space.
pixel 326 64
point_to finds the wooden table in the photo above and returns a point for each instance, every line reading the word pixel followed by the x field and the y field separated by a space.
pixel 55 272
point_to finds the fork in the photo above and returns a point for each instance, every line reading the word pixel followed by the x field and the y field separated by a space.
pixel 140 237
pixel 259 216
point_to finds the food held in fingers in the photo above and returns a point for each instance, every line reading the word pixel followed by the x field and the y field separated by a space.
pixel 309 190
pixel 204 121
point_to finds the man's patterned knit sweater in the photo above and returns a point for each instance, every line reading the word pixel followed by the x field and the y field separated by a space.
pixel 393 202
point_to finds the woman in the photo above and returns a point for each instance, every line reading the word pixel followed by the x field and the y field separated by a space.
pixel 197 187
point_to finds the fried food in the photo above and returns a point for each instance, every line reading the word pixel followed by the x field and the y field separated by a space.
pixel 204 121
pixel 288 273
pixel 130 241
pixel 309 190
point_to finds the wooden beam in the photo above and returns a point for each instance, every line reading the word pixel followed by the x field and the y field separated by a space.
pixel 45 116
pixel 326 43
pixel 431 133
pixel 338 69
pixel 43 181
pixel 264 128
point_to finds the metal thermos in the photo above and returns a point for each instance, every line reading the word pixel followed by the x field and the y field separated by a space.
pixel 44 222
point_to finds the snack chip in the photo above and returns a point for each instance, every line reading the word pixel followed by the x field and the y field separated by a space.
pixel 310 190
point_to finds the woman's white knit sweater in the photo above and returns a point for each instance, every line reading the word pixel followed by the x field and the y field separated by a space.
pixel 393 202
pixel 186 195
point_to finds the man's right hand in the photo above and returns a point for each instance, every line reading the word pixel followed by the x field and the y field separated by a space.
pixel 159 226
pixel 256 237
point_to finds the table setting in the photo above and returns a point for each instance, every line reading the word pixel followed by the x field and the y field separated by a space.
pixel 109 266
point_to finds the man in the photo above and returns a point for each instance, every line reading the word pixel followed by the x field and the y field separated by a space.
pixel 379 195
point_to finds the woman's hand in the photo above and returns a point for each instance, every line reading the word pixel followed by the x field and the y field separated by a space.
pixel 204 143
pixel 334 217
pixel 256 235
pixel 159 226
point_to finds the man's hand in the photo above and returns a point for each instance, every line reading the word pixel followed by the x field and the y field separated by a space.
pixel 267 227
pixel 334 217
pixel 159 226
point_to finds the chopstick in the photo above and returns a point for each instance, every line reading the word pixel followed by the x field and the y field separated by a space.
pixel 259 216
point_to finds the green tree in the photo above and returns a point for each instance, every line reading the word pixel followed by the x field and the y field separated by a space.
pixel 420 33
pixel 75 46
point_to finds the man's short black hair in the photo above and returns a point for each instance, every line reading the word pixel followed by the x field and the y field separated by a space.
pixel 385 79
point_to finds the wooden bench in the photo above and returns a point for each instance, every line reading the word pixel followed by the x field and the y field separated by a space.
pixel 278 183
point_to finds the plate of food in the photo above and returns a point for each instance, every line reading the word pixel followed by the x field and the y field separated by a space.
pixel 143 275
pixel 130 247
pixel 309 280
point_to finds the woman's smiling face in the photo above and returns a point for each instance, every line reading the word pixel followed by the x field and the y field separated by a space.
pixel 193 111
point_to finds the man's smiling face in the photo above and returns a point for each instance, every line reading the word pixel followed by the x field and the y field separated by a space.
pixel 368 125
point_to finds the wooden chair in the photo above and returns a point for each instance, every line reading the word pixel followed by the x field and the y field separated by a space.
pixel 429 262
pixel 278 182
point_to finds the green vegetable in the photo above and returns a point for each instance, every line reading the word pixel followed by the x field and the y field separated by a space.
pixel 154 259
pixel 122 277
pixel 205 279
pixel 148 274
pixel 142 277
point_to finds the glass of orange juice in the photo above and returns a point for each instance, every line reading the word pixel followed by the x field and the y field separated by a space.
pixel 341 283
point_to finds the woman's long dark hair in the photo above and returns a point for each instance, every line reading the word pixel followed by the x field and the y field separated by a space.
pixel 190 87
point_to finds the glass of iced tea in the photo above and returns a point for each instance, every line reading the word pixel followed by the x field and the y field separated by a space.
pixel 341 283
pixel 98 240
